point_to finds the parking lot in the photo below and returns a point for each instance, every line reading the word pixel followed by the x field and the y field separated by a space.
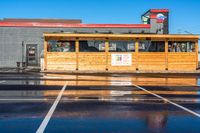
pixel 161 103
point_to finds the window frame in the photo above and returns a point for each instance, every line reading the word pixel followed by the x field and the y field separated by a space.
pixel 182 42
pixel 65 41
pixel 128 42
pixel 150 43
pixel 82 40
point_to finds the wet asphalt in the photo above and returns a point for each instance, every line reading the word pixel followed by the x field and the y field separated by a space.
pixel 99 103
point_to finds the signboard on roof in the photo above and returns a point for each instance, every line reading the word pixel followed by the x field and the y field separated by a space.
pixel 160 17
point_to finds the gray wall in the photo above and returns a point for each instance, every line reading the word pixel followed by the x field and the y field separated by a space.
pixel 11 40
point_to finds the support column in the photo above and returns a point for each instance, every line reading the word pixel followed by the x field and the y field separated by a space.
pixel 136 53
pixel 166 54
pixel 77 51
pixel 45 54
pixel 106 52
pixel 197 53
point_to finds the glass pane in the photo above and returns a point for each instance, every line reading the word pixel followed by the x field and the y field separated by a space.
pixel 61 46
pixel 121 46
pixel 151 46
pixel 92 46
pixel 178 46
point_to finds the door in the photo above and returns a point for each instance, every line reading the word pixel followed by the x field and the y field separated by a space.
pixel 31 54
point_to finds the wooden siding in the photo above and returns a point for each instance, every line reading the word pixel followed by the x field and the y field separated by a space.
pixel 61 61
pixel 92 61
pixel 182 61
pixel 97 61
pixel 101 61
pixel 151 61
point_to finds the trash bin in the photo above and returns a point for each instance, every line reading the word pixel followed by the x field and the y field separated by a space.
pixel 23 64
pixel 18 64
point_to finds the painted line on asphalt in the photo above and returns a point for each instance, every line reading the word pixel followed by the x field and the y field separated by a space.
pixel 51 111
pixel 165 99
pixel 3 81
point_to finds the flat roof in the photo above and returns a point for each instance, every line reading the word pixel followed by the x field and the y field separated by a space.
pixel 70 21
pixel 67 25
pixel 183 36
pixel 159 10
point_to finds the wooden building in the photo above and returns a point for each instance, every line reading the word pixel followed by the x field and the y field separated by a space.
pixel 120 52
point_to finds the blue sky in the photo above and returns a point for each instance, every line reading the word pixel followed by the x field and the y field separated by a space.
pixel 184 14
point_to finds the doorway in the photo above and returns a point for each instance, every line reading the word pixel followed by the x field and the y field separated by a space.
pixel 32 54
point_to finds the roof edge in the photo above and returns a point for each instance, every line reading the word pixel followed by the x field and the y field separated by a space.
pixel 184 36
pixel 64 25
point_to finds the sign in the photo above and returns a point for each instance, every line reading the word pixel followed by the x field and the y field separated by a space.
pixel 121 59
pixel 160 16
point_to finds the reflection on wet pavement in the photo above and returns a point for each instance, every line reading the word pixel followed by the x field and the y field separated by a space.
pixel 22 117
pixel 97 116
pixel 100 103
pixel 103 80
pixel 102 93
pixel 85 80
pixel 116 117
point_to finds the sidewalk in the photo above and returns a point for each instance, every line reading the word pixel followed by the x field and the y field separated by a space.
pixel 20 70
pixel 37 70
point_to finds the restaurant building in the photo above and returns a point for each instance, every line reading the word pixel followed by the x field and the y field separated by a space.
pixel 70 45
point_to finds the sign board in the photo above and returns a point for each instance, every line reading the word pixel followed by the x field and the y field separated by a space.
pixel 121 59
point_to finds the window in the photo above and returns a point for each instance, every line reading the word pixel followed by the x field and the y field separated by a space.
pixel 181 46
pixel 121 46
pixel 151 46
pixel 92 46
pixel 146 19
pixel 61 46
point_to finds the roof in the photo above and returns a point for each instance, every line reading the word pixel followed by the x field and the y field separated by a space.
pixel 67 25
pixel 159 10
pixel 153 12
pixel 69 21
pixel 160 36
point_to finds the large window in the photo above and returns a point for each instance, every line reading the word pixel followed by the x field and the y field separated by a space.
pixel 181 46
pixel 151 46
pixel 121 46
pixel 92 46
pixel 61 46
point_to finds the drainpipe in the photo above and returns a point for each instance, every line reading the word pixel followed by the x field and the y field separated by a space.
pixel 22 51
pixel 23 62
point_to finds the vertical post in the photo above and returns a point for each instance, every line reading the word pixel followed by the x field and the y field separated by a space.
pixel 77 52
pixel 166 54
pixel 45 54
pixel 136 52
pixel 197 53
pixel 106 52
